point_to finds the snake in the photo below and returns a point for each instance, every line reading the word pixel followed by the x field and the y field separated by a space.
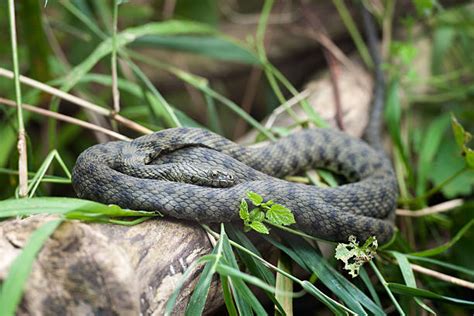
pixel 195 174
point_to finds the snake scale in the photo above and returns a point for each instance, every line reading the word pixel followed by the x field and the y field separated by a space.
pixel 122 173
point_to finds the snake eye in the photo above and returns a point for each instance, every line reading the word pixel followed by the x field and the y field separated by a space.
pixel 214 173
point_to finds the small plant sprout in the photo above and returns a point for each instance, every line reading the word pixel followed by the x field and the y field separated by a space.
pixel 269 211
pixel 355 256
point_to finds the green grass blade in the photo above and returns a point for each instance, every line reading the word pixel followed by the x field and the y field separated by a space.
pixel 368 283
pixel 128 36
pixel 228 300
pixel 62 205
pixel 12 287
pixel 201 290
pixel 429 148
pixel 387 289
pixel 410 291
pixel 174 296
pixel 446 246
pixel 409 277
pixel 306 255
pixel 39 176
pixel 214 46
pixel 244 297
pixel 314 291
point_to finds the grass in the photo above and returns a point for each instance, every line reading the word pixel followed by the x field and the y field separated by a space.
pixel 426 267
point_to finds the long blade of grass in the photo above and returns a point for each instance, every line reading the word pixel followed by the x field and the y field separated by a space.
pixel 409 277
pixel 410 291
pixel 62 205
pixel 39 176
pixel 201 290
pixel 246 300
pixel 446 246
pixel 306 255
pixel 216 46
pixel 12 287
pixel 387 289
pixel 126 37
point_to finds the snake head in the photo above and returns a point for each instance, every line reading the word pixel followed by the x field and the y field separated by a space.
pixel 220 178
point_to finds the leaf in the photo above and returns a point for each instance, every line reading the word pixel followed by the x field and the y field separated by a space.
pixel 215 46
pixel 280 215
pixel 12 287
pixel 256 198
pixel 244 210
pixel 62 205
pixel 354 256
pixel 257 215
pixel 259 227
pixel 460 135
pixel 469 157
pixel 428 149
pixel 410 291
pixel 448 162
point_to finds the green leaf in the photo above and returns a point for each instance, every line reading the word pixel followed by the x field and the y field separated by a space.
pixel 428 149
pixel 62 205
pixel 256 198
pixel 256 215
pixel 355 256
pixel 410 291
pixel 460 135
pixel 216 47
pixel 259 227
pixel 469 157
pixel 280 215
pixel 244 210
pixel 12 287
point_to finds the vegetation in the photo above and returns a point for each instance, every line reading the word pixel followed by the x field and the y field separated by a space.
pixel 85 71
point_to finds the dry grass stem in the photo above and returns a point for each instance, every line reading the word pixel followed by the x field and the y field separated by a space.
pixel 442 276
pixel 439 208
pixel 65 118
pixel 78 101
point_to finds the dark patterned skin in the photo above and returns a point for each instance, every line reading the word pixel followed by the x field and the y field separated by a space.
pixel 123 173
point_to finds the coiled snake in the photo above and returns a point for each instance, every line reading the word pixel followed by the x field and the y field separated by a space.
pixel 220 172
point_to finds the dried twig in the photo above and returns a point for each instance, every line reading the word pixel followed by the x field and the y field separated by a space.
pixel 78 101
pixel 442 207
pixel 442 276
pixel 66 118
pixel 334 74
pixel 249 96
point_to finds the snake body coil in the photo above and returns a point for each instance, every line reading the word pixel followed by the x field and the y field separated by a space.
pixel 145 174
